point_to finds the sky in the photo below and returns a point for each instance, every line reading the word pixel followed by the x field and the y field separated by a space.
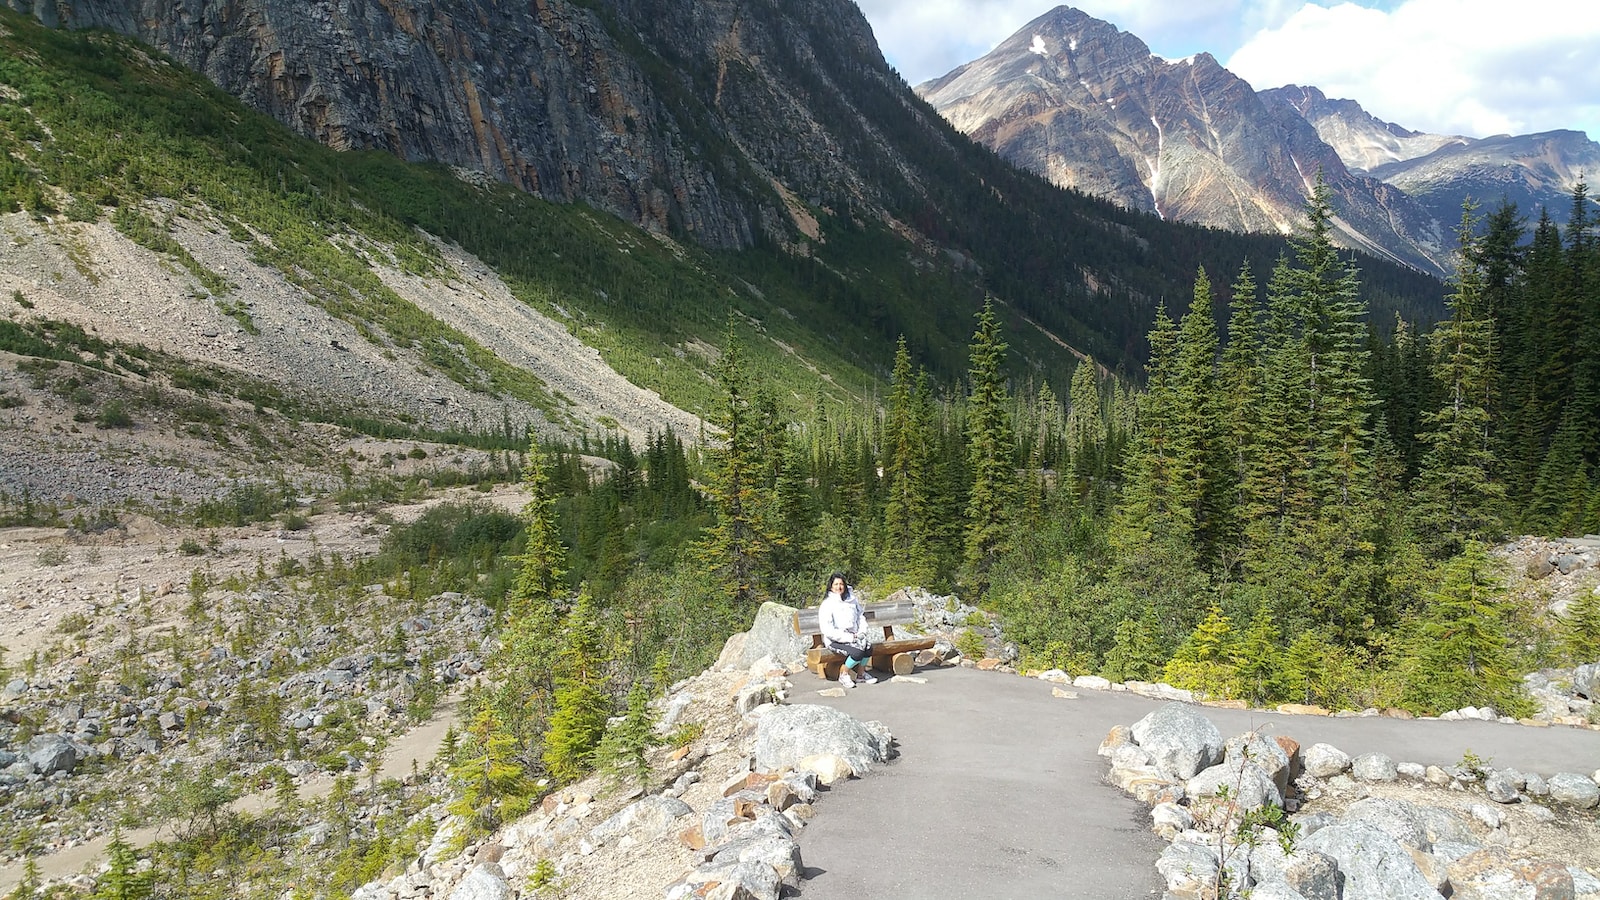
pixel 1470 67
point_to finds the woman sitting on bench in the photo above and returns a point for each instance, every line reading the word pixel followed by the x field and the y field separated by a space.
pixel 844 628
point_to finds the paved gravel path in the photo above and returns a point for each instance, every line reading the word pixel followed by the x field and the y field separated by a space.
pixel 998 791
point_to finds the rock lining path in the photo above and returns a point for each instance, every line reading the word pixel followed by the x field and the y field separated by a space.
pixel 999 791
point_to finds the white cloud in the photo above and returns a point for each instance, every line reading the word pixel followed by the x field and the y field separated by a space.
pixel 1451 66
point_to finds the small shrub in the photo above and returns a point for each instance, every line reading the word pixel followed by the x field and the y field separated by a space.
pixel 418 453
pixel 22 301
pixel 81 209
pixel 72 623
pixel 685 734
pixel 190 547
pixel 976 619
pixel 114 415
pixel 970 644
pixel 11 401
pixel 295 522
pixel 52 556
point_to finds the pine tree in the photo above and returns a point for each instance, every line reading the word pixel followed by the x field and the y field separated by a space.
pixel 1135 654
pixel 1239 386
pixel 990 450
pixel 1259 659
pixel 1086 430
pixel 907 451
pixel 523 692
pixel 123 880
pixel 1203 662
pixel 582 706
pixel 1460 492
pixel 1459 655
pixel 493 784
pixel 738 545
pixel 623 751
pixel 1199 458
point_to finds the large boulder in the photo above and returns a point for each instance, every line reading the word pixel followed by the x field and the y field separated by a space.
pixel 1325 760
pixel 1396 818
pixel 1572 789
pixel 1493 874
pixel 647 818
pixel 1586 681
pixel 773 635
pixel 1225 792
pixel 52 753
pixel 1374 865
pixel 486 881
pixel 1262 751
pixel 789 734
pixel 1180 740
pixel 1374 767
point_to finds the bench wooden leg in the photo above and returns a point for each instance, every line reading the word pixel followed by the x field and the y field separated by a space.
pixel 898 664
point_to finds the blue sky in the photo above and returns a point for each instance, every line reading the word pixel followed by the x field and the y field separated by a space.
pixel 1447 66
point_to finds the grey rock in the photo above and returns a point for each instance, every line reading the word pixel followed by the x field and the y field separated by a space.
pixel 1444 825
pixel 7 758
pixel 773 635
pixel 1373 767
pixel 1536 786
pixel 1501 788
pixel 1494 874
pixel 765 848
pixel 1411 770
pixel 1275 890
pixel 1396 818
pixel 789 734
pixel 674 710
pixel 1264 752
pixel 1188 866
pixel 1571 789
pixel 1374 865
pixel 14 689
pixel 736 881
pixel 1170 819
pixel 485 881
pixel 1487 816
pixel 1180 740
pixel 1567 563
pixel 1245 784
pixel 645 819
pixel 1584 885
pixel 1585 681
pixel 1448 852
pixel 1313 874
pixel 1325 760
pixel 1311 823
pixel 51 753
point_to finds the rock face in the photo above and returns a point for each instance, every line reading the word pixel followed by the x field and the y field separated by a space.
pixel 1440 171
pixel 1374 865
pixel 1089 107
pixel 628 106
pixel 772 635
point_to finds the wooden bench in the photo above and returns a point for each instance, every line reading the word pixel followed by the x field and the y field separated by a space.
pixel 888 655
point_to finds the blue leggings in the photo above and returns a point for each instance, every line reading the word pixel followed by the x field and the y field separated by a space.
pixel 856 654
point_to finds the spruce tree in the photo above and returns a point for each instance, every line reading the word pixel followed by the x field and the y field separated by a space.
pixel 523 691
pixel 1086 431
pixel 906 473
pixel 494 787
pixel 990 451
pixel 582 705
pixel 737 546
pixel 623 751
pixel 1199 457
pixel 1459 654
pixel 123 880
pixel 1460 491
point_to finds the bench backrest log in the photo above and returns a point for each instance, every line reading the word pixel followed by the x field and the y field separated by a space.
pixel 887 615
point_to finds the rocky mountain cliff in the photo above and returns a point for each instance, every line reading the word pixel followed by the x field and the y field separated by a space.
pixel 1088 106
pixel 1440 171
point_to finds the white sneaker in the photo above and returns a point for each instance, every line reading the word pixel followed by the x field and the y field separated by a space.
pixel 867 677
pixel 844 679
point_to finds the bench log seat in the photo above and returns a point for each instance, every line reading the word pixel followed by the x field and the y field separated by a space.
pixel 890 654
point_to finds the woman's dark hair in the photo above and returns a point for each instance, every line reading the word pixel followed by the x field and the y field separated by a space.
pixel 827 586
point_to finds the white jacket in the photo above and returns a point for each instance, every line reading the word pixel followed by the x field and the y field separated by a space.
pixel 841 618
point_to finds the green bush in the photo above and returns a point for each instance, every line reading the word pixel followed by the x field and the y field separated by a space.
pixel 114 415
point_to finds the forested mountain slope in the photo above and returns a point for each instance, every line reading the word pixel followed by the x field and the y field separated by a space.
pixel 765 126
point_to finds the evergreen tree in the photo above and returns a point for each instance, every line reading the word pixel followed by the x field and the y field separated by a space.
pixel 582 705
pixel 738 545
pixel 1258 659
pixel 123 880
pixel 1199 458
pixel 1134 653
pixel 493 784
pixel 623 751
pixel 990 451
pixel 1459 655
pixel 1203 662
pixel 1239 387
pixel 1086 431
pixel 1460 492
pixel 907 450
pixel 522 693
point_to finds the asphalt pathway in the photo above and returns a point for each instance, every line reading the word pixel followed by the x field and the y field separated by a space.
pixel 998 792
